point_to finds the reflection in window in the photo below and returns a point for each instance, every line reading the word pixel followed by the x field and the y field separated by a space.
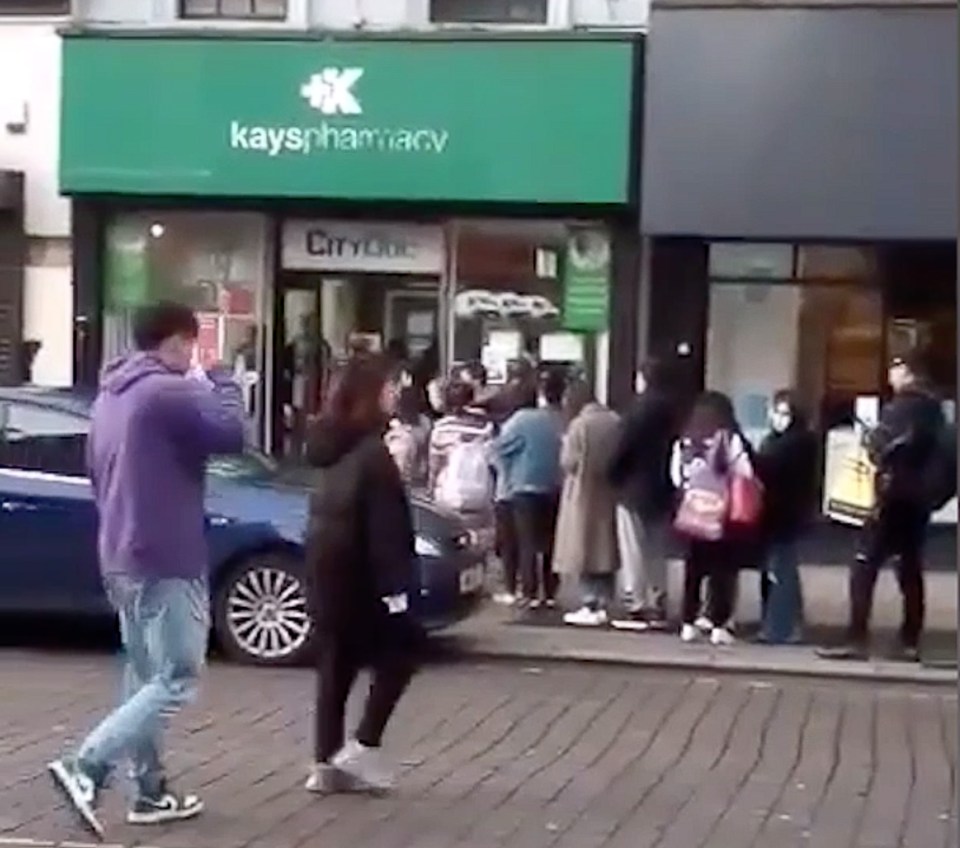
pixel 211 261
pixel 37 438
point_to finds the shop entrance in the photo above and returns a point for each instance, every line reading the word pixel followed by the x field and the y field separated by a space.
pixel 321 319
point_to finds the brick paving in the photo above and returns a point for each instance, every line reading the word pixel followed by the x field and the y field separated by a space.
pixel 559 756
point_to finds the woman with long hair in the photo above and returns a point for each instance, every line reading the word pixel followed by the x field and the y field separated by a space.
pixel 360 556
pixel 704 462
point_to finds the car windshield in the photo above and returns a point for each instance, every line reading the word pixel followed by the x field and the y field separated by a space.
pixel 250 466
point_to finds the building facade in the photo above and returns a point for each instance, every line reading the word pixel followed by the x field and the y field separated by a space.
pixel 35 274
pixel 445 195
pixel 799 195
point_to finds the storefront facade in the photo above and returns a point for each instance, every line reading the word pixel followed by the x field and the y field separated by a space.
pixel 441 200
pixel 800 197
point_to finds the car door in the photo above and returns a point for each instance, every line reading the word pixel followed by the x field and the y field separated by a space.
pixel 48 521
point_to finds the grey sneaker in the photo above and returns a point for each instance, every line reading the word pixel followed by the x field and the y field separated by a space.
pixel 80 790
pixel 325 779
pixel 166 807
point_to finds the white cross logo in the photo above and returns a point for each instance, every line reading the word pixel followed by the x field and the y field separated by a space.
pixel 330 91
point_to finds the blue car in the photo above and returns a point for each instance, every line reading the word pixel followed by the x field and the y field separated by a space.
pixel 256 516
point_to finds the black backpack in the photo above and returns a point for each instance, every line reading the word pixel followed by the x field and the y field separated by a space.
pixel 941 471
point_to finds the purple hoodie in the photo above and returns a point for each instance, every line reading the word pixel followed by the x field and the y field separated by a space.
pixel 153 430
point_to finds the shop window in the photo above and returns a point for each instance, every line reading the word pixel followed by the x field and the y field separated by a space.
pixel 749 261
pixel 531 291
pixel 34 7
pixel 234 9
pixel 488 11
pixel 213 262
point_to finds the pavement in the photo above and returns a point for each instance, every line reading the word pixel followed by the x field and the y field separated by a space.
pixel 517 754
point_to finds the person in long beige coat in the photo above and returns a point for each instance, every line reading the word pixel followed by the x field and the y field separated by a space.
pixel 585 546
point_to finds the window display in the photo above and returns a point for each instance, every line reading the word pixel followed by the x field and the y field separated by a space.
pixel 532 291
pixel 212 261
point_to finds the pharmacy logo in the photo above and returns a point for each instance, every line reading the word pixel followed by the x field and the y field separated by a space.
pixel 331 91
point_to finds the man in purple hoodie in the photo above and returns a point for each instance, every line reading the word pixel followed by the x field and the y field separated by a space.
pixel 155 424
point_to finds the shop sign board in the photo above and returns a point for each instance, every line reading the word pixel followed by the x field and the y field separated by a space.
pixel 512 120
pixel 586 281
pixel 363 247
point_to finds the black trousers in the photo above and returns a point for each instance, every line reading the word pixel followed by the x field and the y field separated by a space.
pixel 507 547
pixel 535 521
pixel 898 531
pixel 715 562
pixel 340 659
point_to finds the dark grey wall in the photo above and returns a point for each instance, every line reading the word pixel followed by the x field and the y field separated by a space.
pixel 804 123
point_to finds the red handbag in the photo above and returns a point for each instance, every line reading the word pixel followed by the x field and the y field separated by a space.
pixel 746 501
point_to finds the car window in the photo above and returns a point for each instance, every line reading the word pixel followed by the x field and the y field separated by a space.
pixel 38 438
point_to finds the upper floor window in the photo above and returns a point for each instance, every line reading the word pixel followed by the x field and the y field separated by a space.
pixel 264 10
pixel 488 11
pixel 34 7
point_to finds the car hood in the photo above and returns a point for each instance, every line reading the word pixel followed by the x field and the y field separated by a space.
pixel 285 507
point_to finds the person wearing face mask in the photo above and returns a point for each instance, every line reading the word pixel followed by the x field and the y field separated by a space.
pixel 787 464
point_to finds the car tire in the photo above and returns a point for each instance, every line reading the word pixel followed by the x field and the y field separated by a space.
pixel 261 614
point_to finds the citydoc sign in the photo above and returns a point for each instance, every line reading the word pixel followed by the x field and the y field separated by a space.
pixel 544 120
pixel 360 247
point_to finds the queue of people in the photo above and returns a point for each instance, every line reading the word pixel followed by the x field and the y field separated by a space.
pixel 573 488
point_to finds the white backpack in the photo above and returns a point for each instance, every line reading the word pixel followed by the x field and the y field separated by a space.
pixel 466 483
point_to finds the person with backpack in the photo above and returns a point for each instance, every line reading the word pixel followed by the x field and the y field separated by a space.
pixel 407 437
pixel 460 477
pixel 711 467
pixel 527 455
pixel 788 466
pixel 585 546
pixel 909 450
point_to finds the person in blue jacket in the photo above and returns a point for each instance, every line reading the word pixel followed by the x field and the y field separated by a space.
pixel 528 454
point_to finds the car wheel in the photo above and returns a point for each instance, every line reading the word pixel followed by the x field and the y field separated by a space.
pixel 261 614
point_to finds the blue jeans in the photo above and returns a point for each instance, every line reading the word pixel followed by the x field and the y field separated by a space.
pixel 782 614
pixel 164 626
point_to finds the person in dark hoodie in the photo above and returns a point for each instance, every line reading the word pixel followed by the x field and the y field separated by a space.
pixel 640 472
pixel 788 465
pixel 902 447
pixel 154 427
pixel 360 559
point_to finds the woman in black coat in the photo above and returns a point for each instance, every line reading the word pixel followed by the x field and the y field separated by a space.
pixel 788 465
pixel 360 556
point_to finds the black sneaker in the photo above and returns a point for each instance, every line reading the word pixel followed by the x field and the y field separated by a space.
pixel 167 807
pixel 845 652
pixel 80 790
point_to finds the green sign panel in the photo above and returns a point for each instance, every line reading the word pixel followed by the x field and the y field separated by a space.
pixel 531 121
pixel 586 281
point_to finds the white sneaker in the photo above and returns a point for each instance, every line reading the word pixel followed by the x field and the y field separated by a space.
pixel 505 599
pixel 586 617
pixel 325 779
pixel 689 633
pixel 721 637
pixel 703 624
pixel 364 767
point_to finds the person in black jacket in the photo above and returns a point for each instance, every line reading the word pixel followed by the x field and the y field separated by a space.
pixel 360 556
pixel 787 463
pixel 902 447
pixel 640 472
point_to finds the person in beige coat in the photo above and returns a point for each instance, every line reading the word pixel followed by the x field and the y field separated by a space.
pixel 586 537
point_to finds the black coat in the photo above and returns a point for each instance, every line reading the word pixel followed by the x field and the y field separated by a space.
pixel 904 444
pixel 360 538
pixel 788 465
pixel 640 465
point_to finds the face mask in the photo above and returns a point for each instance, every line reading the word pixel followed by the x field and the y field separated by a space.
pixel 780 422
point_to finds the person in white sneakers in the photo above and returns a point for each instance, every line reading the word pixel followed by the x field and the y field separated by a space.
pixel 360 560
pixel 707 460
pixel 585 546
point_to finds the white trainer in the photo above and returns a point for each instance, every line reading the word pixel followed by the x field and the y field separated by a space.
pixel 364 767
pixel 703 624
pixel 586 617
pixel 721 637
pixel 689 633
